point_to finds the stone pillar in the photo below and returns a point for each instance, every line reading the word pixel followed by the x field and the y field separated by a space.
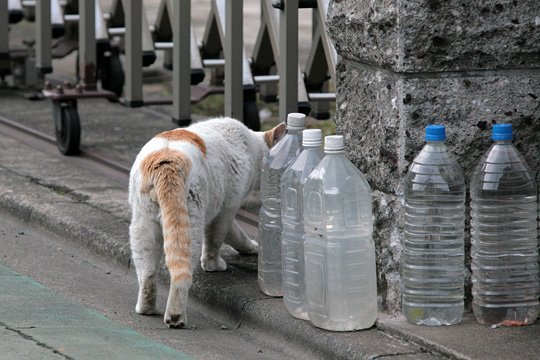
pixel 405 64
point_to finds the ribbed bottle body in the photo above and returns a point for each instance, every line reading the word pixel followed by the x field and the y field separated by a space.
pixel 270 227
pixel 341 288
pixel 433 248
pixel 504 238
pixel 292 238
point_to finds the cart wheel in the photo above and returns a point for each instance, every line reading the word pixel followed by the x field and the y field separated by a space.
pixel 67 128
pixel 112 74
pixel 251 115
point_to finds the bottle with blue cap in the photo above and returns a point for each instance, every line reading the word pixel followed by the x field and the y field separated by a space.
pixel 504 237
pixel 274 164
pixel 341 284
pixel 432 262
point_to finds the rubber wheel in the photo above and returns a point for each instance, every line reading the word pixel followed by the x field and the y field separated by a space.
pixel 67 128
pixel 112 75
pixel 251 115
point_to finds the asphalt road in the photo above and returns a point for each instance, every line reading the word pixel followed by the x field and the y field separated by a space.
pixel 78 279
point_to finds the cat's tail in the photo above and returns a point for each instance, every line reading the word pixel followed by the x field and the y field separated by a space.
pixel 164 174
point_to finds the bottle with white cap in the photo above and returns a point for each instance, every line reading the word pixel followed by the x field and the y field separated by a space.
pixel 292 217
pixel 273 165
pixel 341 286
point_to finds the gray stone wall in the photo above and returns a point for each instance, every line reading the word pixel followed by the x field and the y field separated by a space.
pixel 405 64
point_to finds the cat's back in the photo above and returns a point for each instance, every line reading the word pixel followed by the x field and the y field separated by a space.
pixel 215 140
pixel 224 133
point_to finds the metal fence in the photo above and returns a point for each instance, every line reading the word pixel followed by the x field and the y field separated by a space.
pixel 101 37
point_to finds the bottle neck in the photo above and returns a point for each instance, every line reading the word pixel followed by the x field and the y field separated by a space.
pixel 435 142
pixel 295 132
pixel 502 142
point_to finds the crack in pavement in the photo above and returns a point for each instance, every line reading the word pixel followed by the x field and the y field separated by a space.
pixel 35 341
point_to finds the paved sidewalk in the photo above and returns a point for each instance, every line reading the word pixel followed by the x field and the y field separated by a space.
pixel 36 323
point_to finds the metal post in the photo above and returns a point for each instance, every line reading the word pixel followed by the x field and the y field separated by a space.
pixel 316 70
pixel 87 43
pixel 43 36
pixel 133 47
pixel 234 96
pixel 288 59
pixel 4 38
pixel 181 29
pixel 329 50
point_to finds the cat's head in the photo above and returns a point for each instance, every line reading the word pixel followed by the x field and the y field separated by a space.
pixel 272 136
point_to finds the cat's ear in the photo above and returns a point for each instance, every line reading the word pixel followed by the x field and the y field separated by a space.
pixel 272 136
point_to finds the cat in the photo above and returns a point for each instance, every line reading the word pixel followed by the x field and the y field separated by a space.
pixel 185 188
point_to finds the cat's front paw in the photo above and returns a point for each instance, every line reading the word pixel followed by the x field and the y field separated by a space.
pixel 213 264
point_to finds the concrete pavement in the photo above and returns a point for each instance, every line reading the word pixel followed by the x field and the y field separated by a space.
pixel 37 323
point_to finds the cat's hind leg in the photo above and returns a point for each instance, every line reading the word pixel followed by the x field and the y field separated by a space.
pixel 240 240
pixel 146 247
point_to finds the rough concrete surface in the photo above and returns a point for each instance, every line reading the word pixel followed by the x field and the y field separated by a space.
pixel 437 35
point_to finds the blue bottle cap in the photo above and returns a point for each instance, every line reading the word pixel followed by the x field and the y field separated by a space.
pixel 502 132
pixel 435 133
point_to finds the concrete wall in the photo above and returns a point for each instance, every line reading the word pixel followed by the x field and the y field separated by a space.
pixel 405 64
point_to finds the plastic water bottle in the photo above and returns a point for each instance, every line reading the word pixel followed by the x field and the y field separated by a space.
pixel 292 217
pixel 504 236
pixel 341 285
pixel 433 251
pixel 273 165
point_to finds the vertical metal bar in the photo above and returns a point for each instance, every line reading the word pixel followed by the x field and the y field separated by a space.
pixel 14 5
pixel 133 47
pixel 329 50
pixel 101 27
pixel 181 29
pixel 288 59
pixel 234 97
pixel 43 36
pixel 87 43
pixel 57 17
pixel 4 38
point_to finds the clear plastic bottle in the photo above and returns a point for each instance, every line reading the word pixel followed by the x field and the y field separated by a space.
pixel 432 261
pixel 341 286
pixel 292 217
pixel 504 236
pixel 273 165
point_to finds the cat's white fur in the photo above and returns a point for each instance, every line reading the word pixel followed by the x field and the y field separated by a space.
pixel 217 184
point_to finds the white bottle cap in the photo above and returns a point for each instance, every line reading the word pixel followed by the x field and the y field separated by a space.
pixel 334 143
pixel 296 121
pixel 312 137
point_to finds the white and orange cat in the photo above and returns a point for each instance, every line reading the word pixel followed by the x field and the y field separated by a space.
pixel 186 186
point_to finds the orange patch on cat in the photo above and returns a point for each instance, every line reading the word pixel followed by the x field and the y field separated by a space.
pixel 184 135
